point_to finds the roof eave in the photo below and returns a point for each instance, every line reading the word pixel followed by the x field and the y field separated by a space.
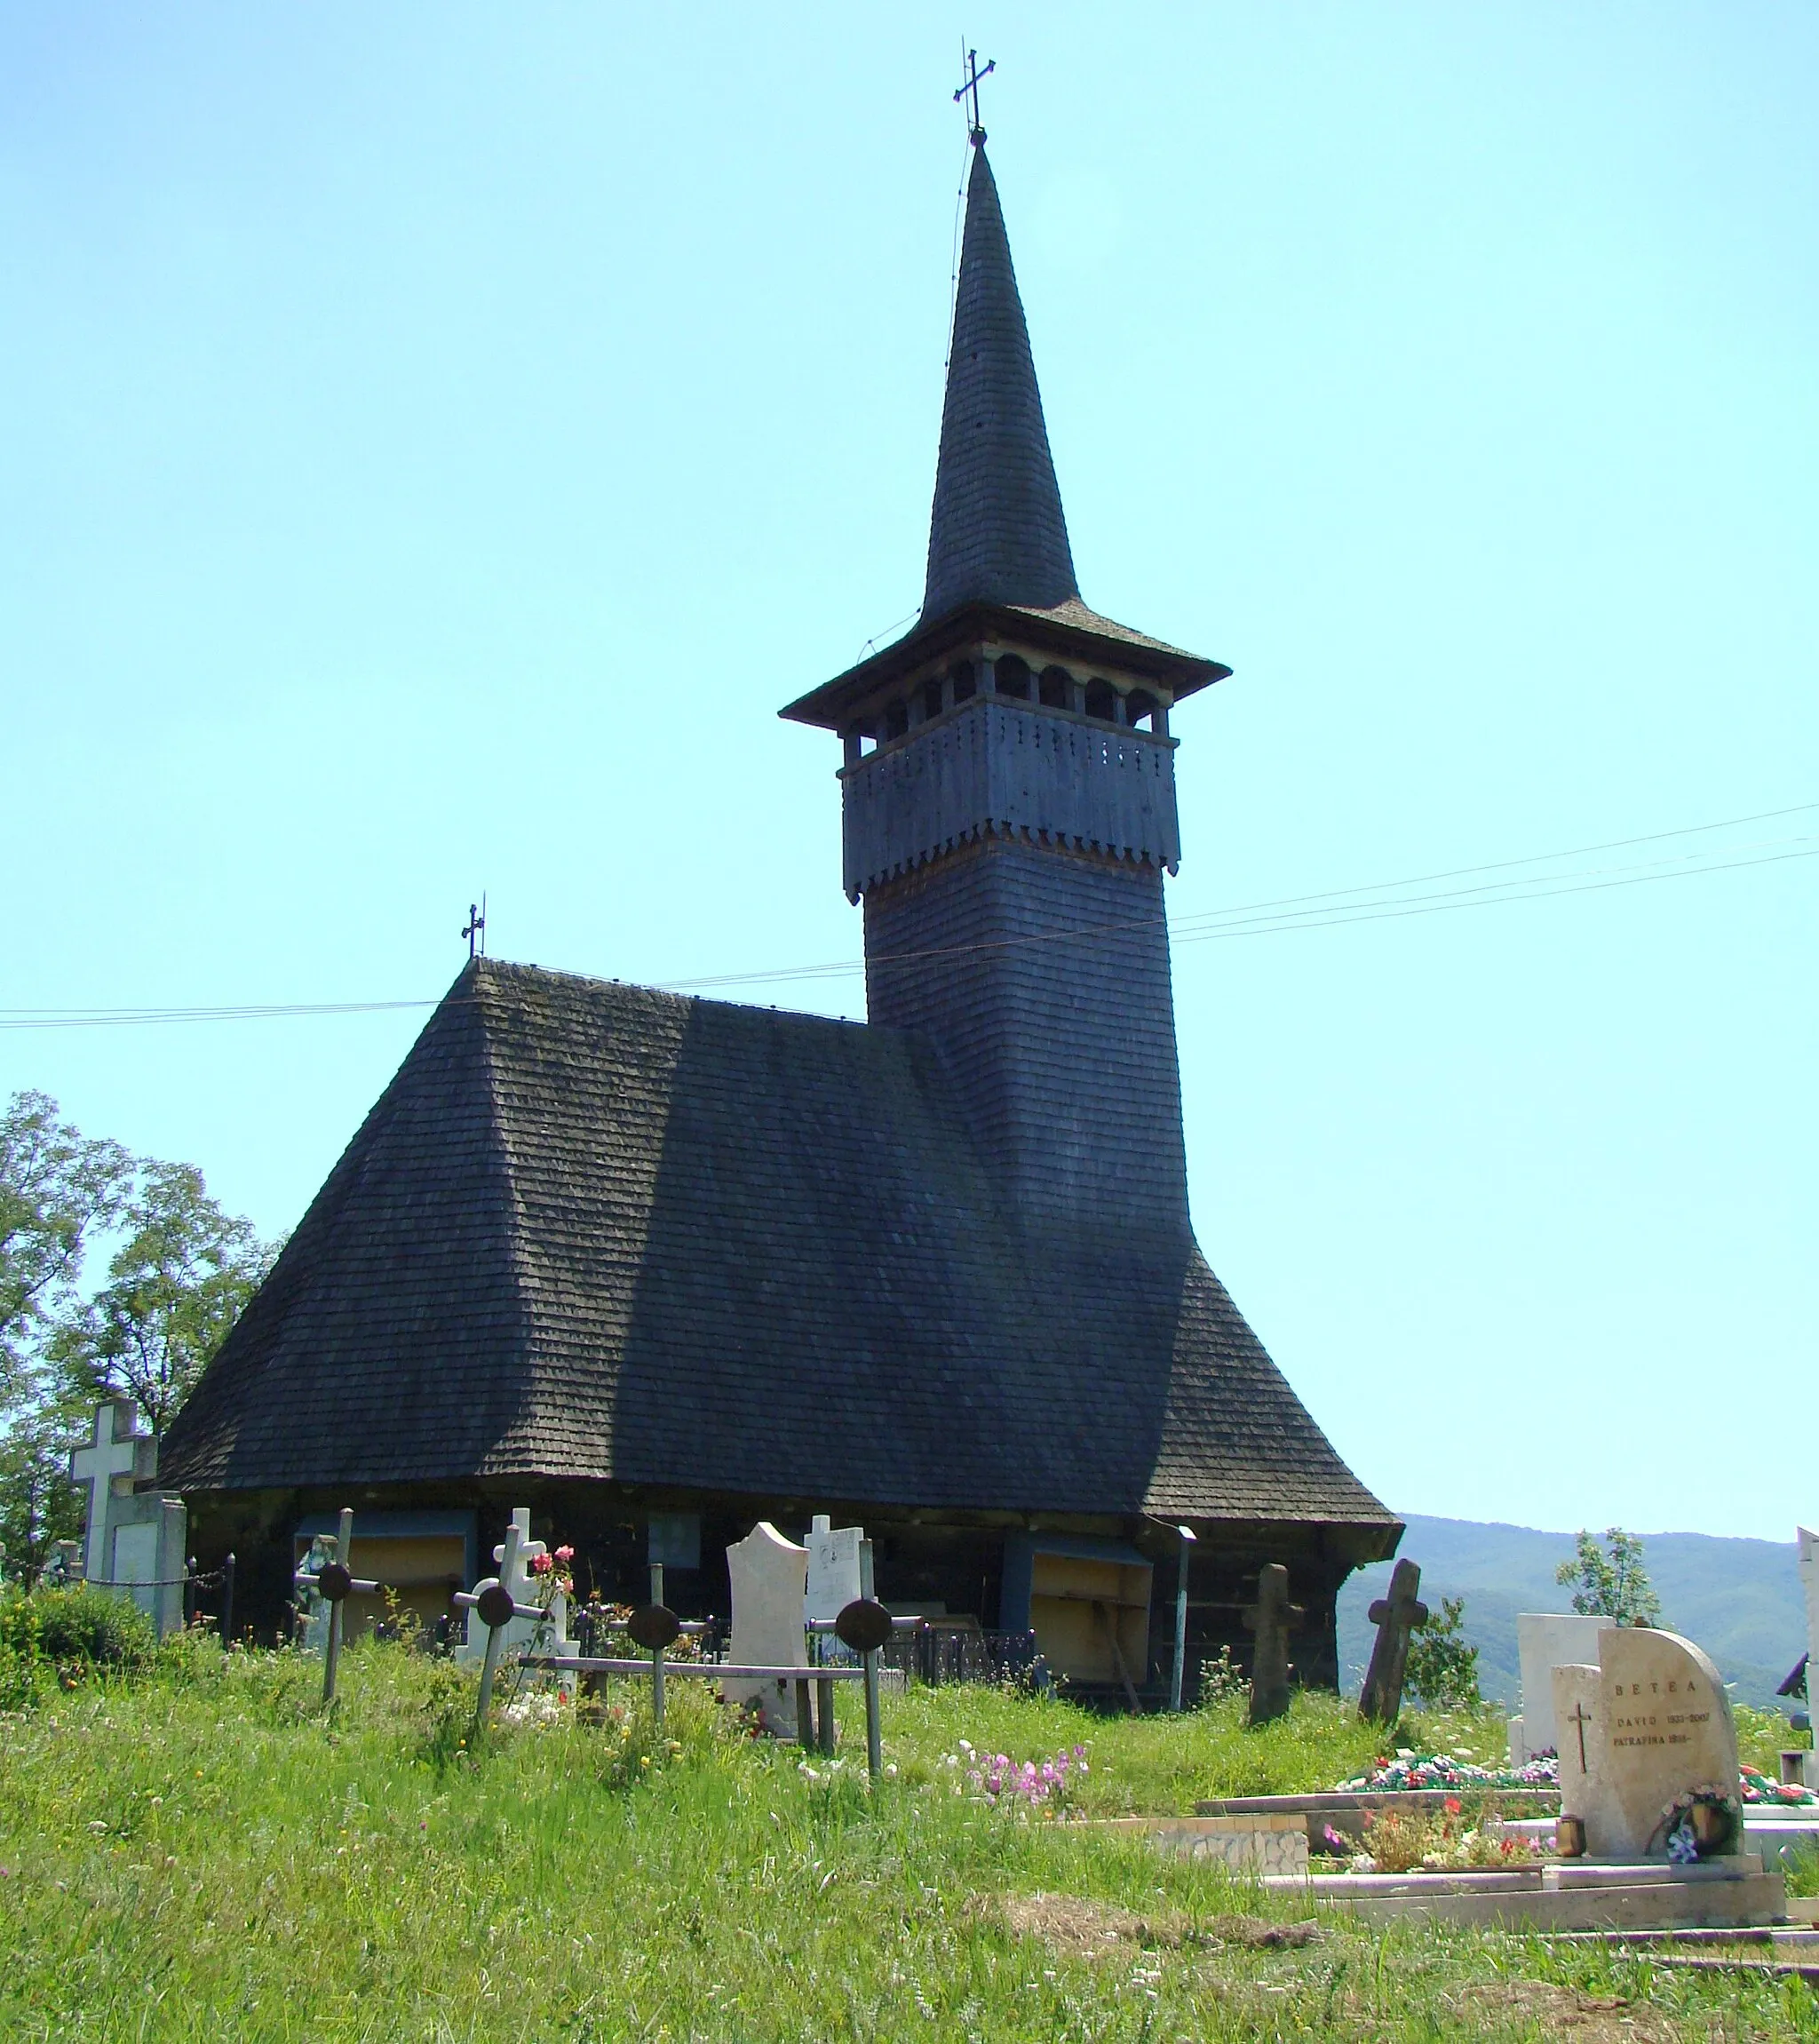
pixel 827 706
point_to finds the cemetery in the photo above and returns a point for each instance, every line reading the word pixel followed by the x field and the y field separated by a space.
pixel 968 1851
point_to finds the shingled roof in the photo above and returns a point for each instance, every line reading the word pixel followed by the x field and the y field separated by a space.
pixel 997 533
pixel 999 561
pixel 591 1230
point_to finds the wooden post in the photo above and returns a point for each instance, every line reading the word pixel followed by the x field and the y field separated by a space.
pixel 227 1602
pixel 1186 1533
pixel 805 1716
pixel 656 1657
pixel 874 1737
pixel 331 1657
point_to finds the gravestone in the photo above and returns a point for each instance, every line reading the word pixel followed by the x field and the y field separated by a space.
pixel 769 1577
pixel 1394 1617
pixel 1271 1618
pixel 836 1578
pixel 134 1540
pixel 1806 1544
pixel 547 1636
pixel 1647 1727
pixel 1546 1641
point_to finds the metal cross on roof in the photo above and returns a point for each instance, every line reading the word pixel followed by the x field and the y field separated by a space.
pixel 476 926
pixel 969 91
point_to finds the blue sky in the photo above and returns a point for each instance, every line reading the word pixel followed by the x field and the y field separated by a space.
pixel 435 440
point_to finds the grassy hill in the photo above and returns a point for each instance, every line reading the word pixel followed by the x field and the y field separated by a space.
pixel 1740 1600
pixel 199 1852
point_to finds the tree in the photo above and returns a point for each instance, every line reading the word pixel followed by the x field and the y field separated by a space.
pixel 175 1286
pixel 38 1503
pixel 1441 1668
pixel 1613 1585
pixel 56 1188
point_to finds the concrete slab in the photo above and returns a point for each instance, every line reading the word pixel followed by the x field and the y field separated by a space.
pixel 1344 1811
pixel 1719 1894
pixel 1274 1843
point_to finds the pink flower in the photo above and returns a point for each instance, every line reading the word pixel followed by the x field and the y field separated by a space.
pixel 565 1554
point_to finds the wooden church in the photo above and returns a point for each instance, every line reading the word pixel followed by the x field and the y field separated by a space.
pixel 660 1268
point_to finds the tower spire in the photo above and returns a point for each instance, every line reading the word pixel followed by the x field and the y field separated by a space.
pixel 997 533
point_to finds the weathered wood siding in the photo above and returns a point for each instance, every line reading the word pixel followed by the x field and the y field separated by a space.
pixel 1042 975
pixel 1014 768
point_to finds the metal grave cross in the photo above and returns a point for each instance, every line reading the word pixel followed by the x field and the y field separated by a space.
pixel 1580 1719
pixel 1271 1618
pixel 969 91
pixel 1395 1616
pixel 495 1603
pixel 333 1582
pixel 117 1449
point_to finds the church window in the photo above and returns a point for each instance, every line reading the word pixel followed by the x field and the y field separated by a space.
pixel 896 720
pixel 964 685
pixel 932 698
pixel 1012 677
pixel 1102 701
pixel 1139 707
pixel 1055 687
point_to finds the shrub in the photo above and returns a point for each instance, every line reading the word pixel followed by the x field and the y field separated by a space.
pixel 78 1626
pixel 1441 1668
pixel 1221 1679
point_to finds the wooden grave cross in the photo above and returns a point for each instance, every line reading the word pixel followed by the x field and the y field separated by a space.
pixel 496 1608
pixel 333 1583
pixel 1271 1618
pixel 1395 1616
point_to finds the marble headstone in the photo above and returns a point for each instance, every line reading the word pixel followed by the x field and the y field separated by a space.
pixel 834 1578
pixel 1649 1722
pixel 833 1568
pixel 1546 1641
pixel 769 1578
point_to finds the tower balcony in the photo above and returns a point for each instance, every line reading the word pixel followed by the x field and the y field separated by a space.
pixel 995 766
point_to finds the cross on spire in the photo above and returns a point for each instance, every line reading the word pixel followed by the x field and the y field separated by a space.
pixel 476 927
pixel 969 91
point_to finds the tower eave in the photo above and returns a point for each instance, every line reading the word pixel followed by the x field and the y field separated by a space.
pixel 1068 630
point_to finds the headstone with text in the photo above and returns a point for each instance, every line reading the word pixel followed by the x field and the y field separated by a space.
pixel 836 1578
pixel 1648 1749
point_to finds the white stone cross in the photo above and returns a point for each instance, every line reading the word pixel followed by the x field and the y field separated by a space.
pixel 117 1449
pixel 514 1554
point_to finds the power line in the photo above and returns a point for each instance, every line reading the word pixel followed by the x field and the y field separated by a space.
pixel 1383 901
pixel 124 1018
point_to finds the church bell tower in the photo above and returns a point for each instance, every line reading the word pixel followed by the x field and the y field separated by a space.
pixel 1009 797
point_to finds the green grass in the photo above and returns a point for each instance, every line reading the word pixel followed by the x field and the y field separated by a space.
pixel 198 1854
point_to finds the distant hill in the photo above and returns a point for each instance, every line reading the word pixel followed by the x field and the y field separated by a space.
pixel 1740 1600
